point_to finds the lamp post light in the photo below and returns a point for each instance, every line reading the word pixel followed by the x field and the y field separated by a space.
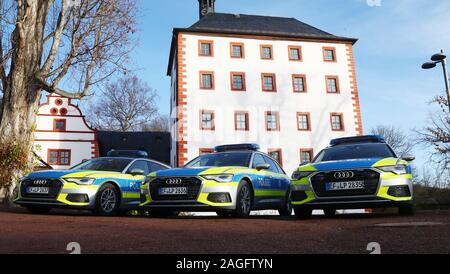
pixel 442 59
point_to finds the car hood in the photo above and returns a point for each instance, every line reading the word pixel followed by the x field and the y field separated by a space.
pixel 183 172
pixel 348 164
pixel 56 174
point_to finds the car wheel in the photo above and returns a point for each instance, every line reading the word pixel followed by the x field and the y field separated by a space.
pixel 38 209
pixel 163 213
pixel 287 208
pixel 406 210
pixel 303 213
pixel 244 201
pixel 107 201
pixel 330 212
pixel 223 214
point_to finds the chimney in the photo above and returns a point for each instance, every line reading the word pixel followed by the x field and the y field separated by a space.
pixel 206 7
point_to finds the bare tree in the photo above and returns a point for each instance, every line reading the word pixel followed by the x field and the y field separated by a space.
pixel 396 138
pixel 161 123
pixel 124 105
pixel 59 46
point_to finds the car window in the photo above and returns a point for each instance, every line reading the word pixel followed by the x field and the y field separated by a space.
pixel 273 166
pixel 241 159
pixel 104 164
pixel 142 165
pixel 258 160
pixel 353 152
pixel 152 166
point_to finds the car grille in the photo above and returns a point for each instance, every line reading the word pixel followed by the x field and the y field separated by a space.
pixel 371 181
pixel 192 183
pixel 54 186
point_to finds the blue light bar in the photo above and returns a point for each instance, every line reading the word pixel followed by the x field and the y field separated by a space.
pixel 237 147
pixel 358 140
pixel 128 153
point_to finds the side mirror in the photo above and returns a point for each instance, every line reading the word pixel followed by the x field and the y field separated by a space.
pixel 262 167
pixel 137 172
pixel 305 163
pixel 408 158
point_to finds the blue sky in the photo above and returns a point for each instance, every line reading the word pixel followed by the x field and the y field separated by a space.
pixel 396 37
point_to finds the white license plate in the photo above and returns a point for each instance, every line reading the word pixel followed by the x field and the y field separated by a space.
pixel 173 191
pixel 355 185
pixel 38 190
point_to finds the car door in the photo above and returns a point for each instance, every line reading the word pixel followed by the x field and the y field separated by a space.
pixel 135 182
pixel 263 181
pixel 278 183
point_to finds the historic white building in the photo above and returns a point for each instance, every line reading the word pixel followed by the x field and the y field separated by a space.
pixel 62 137
pixel 278 82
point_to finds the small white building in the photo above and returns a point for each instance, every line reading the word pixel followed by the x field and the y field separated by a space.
pixel 275 81
pixel 62 136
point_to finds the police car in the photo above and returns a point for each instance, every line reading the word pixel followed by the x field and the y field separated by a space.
pixel 106 186
pixel 354 173
pixel 232 181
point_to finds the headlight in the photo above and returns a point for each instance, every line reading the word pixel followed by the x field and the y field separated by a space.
pixel 80 181
pixel 223 178
pixel 300 175
pixel 399 170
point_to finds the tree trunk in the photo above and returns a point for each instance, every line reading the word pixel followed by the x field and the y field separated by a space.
pixel 22 92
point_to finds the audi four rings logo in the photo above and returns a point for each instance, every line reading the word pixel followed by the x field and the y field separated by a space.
pixel 174 181
pixel 344 175
pixel 40 182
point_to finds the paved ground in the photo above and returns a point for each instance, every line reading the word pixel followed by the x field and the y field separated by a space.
pixel 21 232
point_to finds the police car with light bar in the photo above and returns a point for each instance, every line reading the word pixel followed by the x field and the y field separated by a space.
pixel 354 173
pixel 106 186
pixel 232 181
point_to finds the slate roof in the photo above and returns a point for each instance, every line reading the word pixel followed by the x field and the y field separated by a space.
pixel 242 24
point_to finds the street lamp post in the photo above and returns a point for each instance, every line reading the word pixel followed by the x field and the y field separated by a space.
pixel 436 59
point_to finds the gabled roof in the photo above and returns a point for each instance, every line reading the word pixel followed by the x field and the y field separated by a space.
pixel 242 24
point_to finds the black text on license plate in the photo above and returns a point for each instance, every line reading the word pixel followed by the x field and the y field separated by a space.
pixel 37 190
pixel 173 191
pixel 334 186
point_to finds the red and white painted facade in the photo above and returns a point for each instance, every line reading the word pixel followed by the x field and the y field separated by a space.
pixel 62 136
pixel 290 140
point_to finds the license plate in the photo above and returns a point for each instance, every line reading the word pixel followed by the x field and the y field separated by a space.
pixel 38 190
pixel 173 191
pixel 356 185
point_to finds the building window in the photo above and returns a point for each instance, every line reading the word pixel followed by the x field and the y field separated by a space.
pixel 306 155
pixel 337 122
pixel 329 54
pixel 241 121
pixel 269 82
pixel 59 102
pixel 299 83
pixel 267 52
pixel 303 121
pixel 277 155
pixel 203 151
pixel 295 53
pixel 272 121
pixel 332 84
pixel 238 81
pixel 207 120
pixel 59 157
pixel 237 50
pixel 59 125
pixel 206 80
pixel 206 48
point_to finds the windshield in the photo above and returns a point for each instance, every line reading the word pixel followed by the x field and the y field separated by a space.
pixel 353 152
pixel 104 164
pixel 241 159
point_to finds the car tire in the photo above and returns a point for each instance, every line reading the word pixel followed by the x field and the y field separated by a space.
pixel 330 212
pixel 286 211
pixel 38 209
pixel 244 201
pixel 407 210
pixel 303 213
pixel 223 214
pixel 163 213
pixel 107 201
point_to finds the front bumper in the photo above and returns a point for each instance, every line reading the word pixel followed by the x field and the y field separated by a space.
pixel 70 195
pixel 205 199
pixel 385 196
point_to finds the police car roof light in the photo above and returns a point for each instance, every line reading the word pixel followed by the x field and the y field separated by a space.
pixel 237 147
pixel 128 153
pixel 358 139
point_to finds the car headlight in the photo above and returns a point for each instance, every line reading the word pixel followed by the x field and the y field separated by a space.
pixel 399 170
pixel 222 178
pixel 298 175
pixel 80 181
